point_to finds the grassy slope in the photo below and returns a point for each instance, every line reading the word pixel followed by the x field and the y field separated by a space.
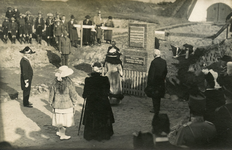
pixel 124 9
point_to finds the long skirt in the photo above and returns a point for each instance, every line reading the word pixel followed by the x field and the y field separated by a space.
pixel 108 35
pixel 63 117
pixel 86 36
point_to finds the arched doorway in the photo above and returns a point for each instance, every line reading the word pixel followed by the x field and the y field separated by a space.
pixel 218 12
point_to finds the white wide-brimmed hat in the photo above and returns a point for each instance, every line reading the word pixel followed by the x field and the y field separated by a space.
pixel 63 71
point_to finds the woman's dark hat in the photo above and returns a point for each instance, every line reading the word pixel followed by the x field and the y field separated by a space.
pixel 226 58
pixel 110 17
pixel 87 17
pixel 197 103
pixel 72 17
pixel 97 64
pixel 27 50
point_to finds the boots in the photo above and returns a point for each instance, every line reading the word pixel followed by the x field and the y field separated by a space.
pixel 62 135
pixel 48 42
pixel 30 40
pixel 40 38
pixel 20 40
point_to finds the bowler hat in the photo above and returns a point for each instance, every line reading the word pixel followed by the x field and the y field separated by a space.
pixel 96 64
pixel 27 50
pixel 197 103
pixel 28 13
pixel 9 8
pixel 72 17
pixel 226 58
pixel 110 17
pixel 87 17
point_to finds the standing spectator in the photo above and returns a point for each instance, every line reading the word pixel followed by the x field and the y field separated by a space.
pixel 113 70
pixel 13 30
pixel 57 32
pixel 21 23
pixel 64 23
pixel 65 48
pixel 87 32
pixel 113 45
pixel 28 28
pixel 196 133
pixel 97 20
pixel 49 28
pixel 156 79
pixel 223 121
pixel 9 13
pixel 39 27
pixel 73 31
pixel 108 33
pixel 26 75
pixel 57 17
pixel 5 29
pixel 93 36
pixel 63 99
pixel 98 115
pixel 16 13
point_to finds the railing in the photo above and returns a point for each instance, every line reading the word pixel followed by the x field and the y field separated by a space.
pixel 134 82
pixel 220 31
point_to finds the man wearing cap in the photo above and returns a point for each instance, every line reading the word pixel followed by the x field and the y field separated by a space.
pixel 65 48
pixel 197 133
pixel 39 27
pixel 9 13
pixel 13 30
pixel 87 32
pixel 28 27
pixel 57 32
pixel 223 121
pixel 49 28
pixel 72 31
pixel 97 20
pixel 5 29
pixel 156 79
pixel 21 24
pixel 26 75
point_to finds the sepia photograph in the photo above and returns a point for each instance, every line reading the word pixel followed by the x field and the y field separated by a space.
pixel 116 74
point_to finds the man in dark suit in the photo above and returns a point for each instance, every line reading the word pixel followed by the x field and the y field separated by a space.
pixel 65 48
pixel 156 79
pixel 26 75
pixel 39 27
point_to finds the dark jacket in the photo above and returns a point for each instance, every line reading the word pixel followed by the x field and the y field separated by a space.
pixel 9 14
pixel 5 25
pixel 57 30
pixel 21 22
pixel 16 14
pixel 65 45
pixel 13 26
pixel 72 31
pixel 65 25
pixel 29 21
pixel 41 23
pixel 157 74
pixel 26 72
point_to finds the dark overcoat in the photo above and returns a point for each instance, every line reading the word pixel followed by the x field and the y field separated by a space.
pixel 26 73
pixel 65 45
pixel 157 74
pixel 72 31
pixel 41 23
pixel 86 32
pixel 98 116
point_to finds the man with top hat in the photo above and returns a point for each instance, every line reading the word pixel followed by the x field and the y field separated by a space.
pixel 9 13
pixel 87 32
pixel 39 27
pixel 223 121
pixel 21 24
pixel 5 29
pixel 97 20
pixel 64 48
pixel 26 75
pixel 13 30
pixel 72 31
pixel 28 27
pixel 196 133
pixel 57 32
pixel 156 79
pixel 49 28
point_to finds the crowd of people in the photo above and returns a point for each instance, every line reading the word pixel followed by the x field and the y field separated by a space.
pixel 17 25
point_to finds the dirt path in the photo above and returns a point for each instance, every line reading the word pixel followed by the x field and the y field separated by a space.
pixel 31 127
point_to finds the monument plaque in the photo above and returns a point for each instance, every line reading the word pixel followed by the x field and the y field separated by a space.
pixel 136 38
pixel 134 60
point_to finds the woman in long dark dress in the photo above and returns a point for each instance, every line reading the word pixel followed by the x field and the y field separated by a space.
pixel 73 31
pixel 98 115
pixel 87 32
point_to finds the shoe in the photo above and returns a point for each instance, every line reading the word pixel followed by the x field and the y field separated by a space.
pixel 58 133
pixel 65 137
pixel 29 106
pixel 30 103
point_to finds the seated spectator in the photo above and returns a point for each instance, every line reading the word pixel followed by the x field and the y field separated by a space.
pixel 197 133
pixel 223 121
pixel 213 93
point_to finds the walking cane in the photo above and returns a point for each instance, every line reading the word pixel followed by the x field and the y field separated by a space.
pixel 82 111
